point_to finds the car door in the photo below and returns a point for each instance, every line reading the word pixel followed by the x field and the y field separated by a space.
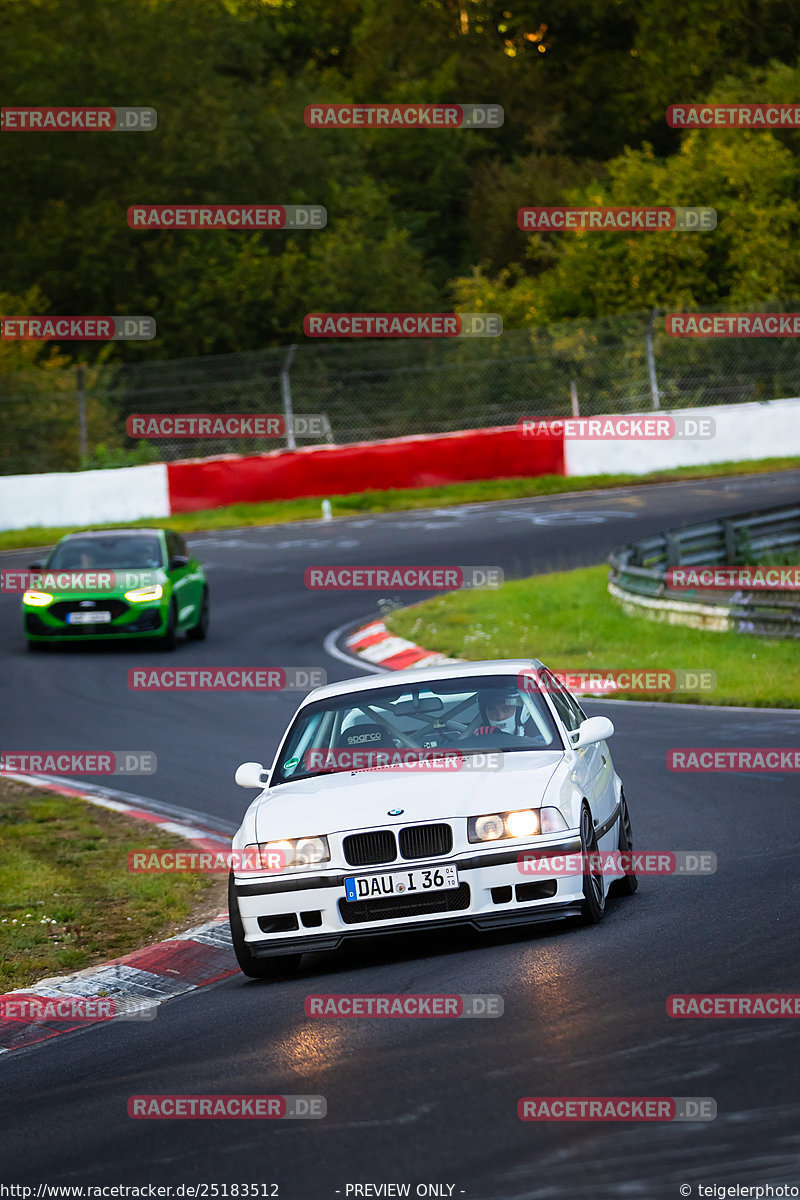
pixel 196 578
pixel 595 772
pixel 186 583
pixel 605 805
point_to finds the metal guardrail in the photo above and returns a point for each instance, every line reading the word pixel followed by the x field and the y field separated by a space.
pixel 637 575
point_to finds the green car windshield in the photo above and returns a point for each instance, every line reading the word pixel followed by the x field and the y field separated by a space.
pixel 107 553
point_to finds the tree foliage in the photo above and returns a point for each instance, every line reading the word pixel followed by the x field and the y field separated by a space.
pixel 416 220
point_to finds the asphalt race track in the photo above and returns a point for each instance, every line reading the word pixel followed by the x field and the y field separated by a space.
pixel 434 1102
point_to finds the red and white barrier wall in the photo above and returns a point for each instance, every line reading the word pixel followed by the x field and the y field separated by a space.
pixel 426 460
pixel 743 432
pixel 84 497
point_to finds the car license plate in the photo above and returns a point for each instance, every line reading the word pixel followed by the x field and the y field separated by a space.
pixel 88 618
pixel 401 883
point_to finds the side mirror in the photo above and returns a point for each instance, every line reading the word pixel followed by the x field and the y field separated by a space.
pixel 178 560
pixel 251 775
pixel 590 731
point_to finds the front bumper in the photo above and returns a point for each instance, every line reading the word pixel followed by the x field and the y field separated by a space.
pixel 136 622
pixel 301 914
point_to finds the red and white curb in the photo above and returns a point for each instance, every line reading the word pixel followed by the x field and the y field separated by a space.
pixel 138 982
pixel 377 645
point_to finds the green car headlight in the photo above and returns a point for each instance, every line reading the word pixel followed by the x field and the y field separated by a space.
pixel 154 592
pixel 37 599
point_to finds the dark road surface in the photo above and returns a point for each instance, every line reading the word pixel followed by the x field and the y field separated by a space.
pixel 434 1101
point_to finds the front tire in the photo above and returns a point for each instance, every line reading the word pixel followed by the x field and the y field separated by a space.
pixel 255 968
pixel 629 883
pixel 594 895
pixel 168 638
pixel 199 632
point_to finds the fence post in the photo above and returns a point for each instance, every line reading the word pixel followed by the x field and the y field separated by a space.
pixel 573 391
pixel 83 442
pixel 287 399
pixel 729 530
pixel 651 362
pixel 328 430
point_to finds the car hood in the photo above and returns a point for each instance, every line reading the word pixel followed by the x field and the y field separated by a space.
pixel 363 799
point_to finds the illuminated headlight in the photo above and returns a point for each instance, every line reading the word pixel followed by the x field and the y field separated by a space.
pixel 154 592
pixel 525 822
pixel 37 599
pixel 295 853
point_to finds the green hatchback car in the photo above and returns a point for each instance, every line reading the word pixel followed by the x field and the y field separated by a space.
pixel 108 584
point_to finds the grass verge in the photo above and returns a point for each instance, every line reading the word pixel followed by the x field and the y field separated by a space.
pixel 278 512
pixel 569 621
pixel 67 899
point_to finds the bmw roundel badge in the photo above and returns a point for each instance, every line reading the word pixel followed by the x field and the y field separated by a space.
pixel 395 812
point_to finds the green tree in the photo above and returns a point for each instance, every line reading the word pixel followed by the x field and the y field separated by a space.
pixel 752 179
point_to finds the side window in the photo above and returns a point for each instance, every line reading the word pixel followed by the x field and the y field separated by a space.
pixel 180 542
pixel 578 712
pixel 172 544
pixel 565 706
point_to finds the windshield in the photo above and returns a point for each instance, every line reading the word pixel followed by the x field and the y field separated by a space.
pixel 114 552
pixel 379 727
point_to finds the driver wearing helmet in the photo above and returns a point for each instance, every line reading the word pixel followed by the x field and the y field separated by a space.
pixel 501 711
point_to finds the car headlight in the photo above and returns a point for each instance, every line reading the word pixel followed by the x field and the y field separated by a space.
pixel 486 829
pixel 37 599
pixel 154 592
pixel 524 822
pixel 552 820
pixel 296 853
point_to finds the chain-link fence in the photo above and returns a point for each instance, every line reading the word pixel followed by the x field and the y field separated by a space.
pixel 388 388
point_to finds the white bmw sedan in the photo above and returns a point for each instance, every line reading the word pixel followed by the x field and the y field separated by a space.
pixel 423 799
